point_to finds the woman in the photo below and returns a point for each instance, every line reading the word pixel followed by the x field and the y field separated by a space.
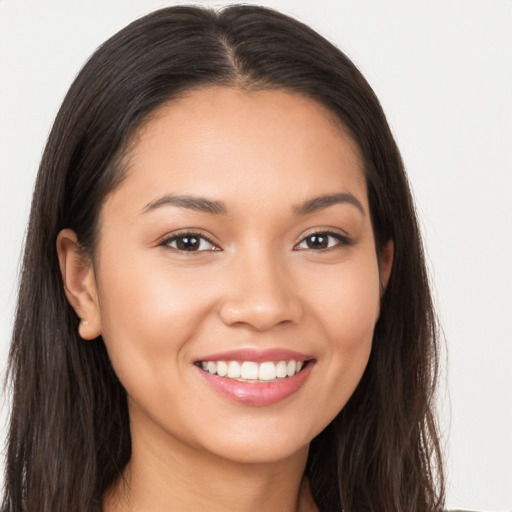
pixel 237 315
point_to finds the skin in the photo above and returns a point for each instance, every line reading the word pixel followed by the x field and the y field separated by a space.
pixel 258 284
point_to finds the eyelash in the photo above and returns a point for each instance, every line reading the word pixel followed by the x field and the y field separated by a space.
pixel 189 234
pixel 342 241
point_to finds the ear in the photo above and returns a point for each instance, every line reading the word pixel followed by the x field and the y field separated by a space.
pixel 79 284
pixel 386 255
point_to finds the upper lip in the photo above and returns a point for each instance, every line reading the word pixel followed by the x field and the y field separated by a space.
pixel 256 355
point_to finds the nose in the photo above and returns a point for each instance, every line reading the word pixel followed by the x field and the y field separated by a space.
pixel 261 295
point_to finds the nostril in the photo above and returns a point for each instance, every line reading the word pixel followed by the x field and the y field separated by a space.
pixel 261 313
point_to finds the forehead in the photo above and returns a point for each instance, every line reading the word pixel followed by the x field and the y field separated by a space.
pixel 227 142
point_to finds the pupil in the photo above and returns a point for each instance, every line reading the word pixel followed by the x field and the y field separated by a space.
pixel 317 242
pixel 188 243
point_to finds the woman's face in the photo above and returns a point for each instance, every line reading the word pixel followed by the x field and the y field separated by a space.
pixel 239 243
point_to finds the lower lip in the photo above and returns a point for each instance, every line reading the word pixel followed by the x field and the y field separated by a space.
pixel 258 393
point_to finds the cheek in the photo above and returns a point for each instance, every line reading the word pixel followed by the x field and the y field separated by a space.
pixel 148 315
pixel 347 302
pixel 345 315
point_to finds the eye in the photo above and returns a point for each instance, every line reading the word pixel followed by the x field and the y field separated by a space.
pixel 322 240
pixel 189 242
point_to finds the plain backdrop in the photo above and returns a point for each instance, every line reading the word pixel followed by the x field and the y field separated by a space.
pixel 443 72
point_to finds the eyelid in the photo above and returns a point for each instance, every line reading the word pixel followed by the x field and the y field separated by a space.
pixel 170 237
pixel 343 239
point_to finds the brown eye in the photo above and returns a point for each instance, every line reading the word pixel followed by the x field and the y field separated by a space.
pixel 190 242
pixel 322 240
pixel 319 241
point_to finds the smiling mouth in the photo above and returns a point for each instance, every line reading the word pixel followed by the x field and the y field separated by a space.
pixel 253 372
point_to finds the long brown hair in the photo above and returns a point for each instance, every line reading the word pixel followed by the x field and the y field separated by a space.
pixel 69 436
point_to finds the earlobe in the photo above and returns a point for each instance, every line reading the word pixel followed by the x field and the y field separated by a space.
pixel 386 256
pixel 79 284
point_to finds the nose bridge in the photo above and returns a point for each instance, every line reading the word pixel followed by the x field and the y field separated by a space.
pixel 261 293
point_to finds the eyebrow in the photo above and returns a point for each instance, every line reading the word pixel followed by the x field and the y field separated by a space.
pixel 199 204
pixel 322 202
pixel 202 204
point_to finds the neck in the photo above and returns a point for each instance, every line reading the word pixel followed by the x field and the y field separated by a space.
pixel 165 474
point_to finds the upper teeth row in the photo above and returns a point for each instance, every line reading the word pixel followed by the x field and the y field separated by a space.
pixel 253 371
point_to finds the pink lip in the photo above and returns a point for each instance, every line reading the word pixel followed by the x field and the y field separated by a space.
pixel 257 394
pixel 258 356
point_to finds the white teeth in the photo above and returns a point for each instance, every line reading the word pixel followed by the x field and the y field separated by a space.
pixel 281 369
pixel 222 368
pixel 267 371
pixel 251 371
pixel 233 370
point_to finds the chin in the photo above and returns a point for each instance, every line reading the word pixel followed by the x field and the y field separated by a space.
pixel 267 451
pixel 262 442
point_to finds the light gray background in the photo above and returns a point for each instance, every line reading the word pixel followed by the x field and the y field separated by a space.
pixel 443 71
